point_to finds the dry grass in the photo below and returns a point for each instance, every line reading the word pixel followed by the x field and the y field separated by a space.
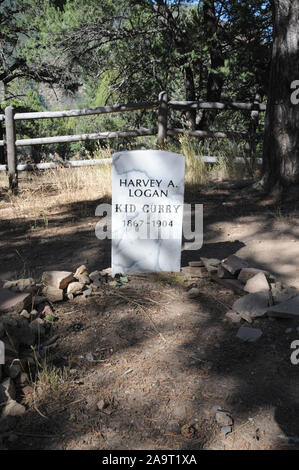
pixel 44 194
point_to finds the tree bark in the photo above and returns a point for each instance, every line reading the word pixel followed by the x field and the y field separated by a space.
pixel 190 95
pixel 215 78
pixel 281 138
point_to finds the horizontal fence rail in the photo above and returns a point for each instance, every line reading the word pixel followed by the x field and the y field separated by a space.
pixel 163 105
pixel 104 161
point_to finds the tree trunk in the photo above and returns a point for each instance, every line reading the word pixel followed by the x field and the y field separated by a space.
pixel 281 138
pixel 215 78
pixel 190 95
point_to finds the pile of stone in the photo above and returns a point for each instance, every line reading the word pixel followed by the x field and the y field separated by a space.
pixel 59 285
pixel 261 294
pixel 26 316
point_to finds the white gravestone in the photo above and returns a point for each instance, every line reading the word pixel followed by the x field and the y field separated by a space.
pixel 147 211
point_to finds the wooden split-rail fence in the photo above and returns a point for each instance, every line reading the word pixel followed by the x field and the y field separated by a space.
pixel 163 105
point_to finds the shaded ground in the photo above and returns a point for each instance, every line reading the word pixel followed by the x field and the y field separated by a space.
pixel 162 361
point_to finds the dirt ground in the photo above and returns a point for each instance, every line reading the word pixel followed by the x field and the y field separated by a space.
pixel 162 361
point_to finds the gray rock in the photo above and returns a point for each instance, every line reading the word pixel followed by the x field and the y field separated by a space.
pixel 281 294
pixel 224 273
pixel 223 418
pixel 249 334
pixel 257 283
pixel 247 273
pixel 226 430
pixel 234 264
pixel 233 316
pixel 12 301
pixel 95 275
pixel 252 305
pixel 193 293
pixel 288 309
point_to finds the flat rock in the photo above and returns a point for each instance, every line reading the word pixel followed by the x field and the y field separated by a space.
pixel 287 309
pixel 232 284
pixel 14 301
pixel 234 264
pixel 252 305
pixel 58 279
pixel 257 283
pixel 196 264
pixel 194 271
pixel 224 273
pixel 248 334
pixel 53 294
pixel 211 264
pixel 247 273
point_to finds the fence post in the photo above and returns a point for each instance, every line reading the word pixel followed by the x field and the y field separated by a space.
pixel 162 118
pixel 10 130
pixel 2 153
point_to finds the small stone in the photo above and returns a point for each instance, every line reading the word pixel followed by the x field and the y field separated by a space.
pixel 24 313
pixel 13 408
pixel 57 279
pixel 234 264
pixel 193 293
pixel 195 264
pixel 249 334
pixel 226 430
pixel 281 294
pixel 224 273
pixel 252 305
pixel 81 270
pixel 11 301
pixel 53 294
pixel 89 357
pixel 84 279
pixel 257 283
pixel 248 273
pixel 211 264
pixel 223 418
pixel 288 309
pixel 233 316
pixel 102 404
pixel 75 288
pixel 70 296
pixel 94 276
